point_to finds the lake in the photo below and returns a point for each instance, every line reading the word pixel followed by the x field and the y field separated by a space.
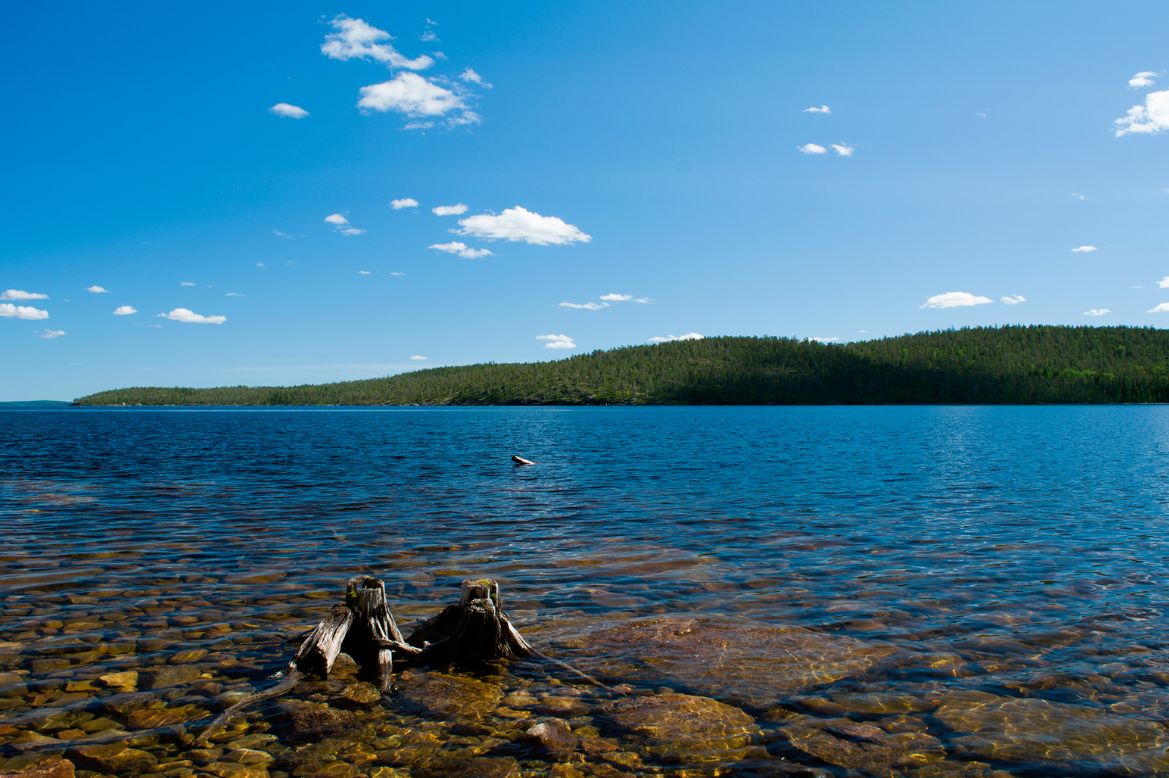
pixel 918 591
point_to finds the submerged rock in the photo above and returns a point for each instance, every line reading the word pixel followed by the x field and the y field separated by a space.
pixel 449 696
pixel 863 747
pixel 53 768
pixel 554 737
pixel 113 758
pixel 1054 735
pixel 741 661
pixel 682 727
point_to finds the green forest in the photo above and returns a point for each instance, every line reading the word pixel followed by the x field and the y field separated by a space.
pixel 1015 364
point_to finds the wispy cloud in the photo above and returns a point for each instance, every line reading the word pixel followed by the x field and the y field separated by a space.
pixel 645 300
pixel 843 149
pixel 186 283
pixel 668 338
pixel 405 202
pixel 826 340
pixel 282 234
pixel 10 311
pixel 449 210
pixel 17 294
pixel 1163 283
pixel 418 357
pixel 814 109
pixel 471 77
pixel 190 317
pixel 955 300
pixel 288 111
pixel 811 148
pixel 124 310
pixel 354 39
pixel 397 274
pixel 51 334
pixel 364 273
pixel 429 36
pixel 557 341
pixel 1083 249
pixel 1147 119
pixel 351 231
pixel 338 221
pixel 234 294
pixel 1162 308
pixel 521 224
pixel 1097 312
pixel 97 289
pixel 259 264
pixel 585 306
pixel 618 298
pixel 1142 79
pixel 461 250
pixel 1009 300
pixel 1079 196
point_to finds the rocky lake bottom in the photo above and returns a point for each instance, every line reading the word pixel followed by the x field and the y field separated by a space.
pixel 910 597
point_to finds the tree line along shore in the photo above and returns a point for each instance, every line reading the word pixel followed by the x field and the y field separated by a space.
pixel 984 365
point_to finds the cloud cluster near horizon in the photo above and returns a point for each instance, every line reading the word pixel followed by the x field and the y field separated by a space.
pixel 557 341
pixel 668 338
pixel 955 300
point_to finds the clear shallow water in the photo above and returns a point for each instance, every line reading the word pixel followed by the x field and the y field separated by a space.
pixel 1014 553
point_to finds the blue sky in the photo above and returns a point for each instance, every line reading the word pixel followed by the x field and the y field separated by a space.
pixel 652 152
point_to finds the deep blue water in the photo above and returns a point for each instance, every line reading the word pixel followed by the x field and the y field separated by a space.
pixel 937 527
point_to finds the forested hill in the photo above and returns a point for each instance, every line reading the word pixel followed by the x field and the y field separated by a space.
pixel 1037 364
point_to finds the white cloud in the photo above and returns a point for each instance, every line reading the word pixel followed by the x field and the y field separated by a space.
pixel 825 340
pixel 843 149
pixel 521 224
pixel 288 111
pixel 51 334
pixel 186 283
pixel 281 234
pixel 585 306
pixel 352 231
pixel 354 39
pixel 419 126
pixel 617 297
pixel 410 94
pixel 1083 249
pixel 668 338
pixel 124 310
pixel 429 36
pixel 234 294
pixel 1162 308
pixel 16 294
pixel 814 109
pixel 10 311
pixel 259 264
pixel 449 210
pixel 1144 78
pixel 364 273
pixel 190 317
pixel 336 219
pixel 461 249
pixel 405 202
pixel 471 77
pixel 154 326
pixel 418 357
pixel 812 148
pixel 647 300
pixel 557 341
pixel 1163 283
pixel 1097 312
pixel 955 300
pixel 97 290
pixel 1136 287
pixel 1150 118
pixel 1076 194
pixel 397 274
pixel 865 331
pixel 1015 300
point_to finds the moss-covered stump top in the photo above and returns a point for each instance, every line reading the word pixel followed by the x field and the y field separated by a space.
pixel 1055 735
pixel 740 661
pixel 682 727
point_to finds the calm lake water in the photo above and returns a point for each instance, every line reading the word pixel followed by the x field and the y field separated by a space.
pixel 919 591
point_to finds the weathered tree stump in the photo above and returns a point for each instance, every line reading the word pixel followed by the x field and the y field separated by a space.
pixel 477 629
